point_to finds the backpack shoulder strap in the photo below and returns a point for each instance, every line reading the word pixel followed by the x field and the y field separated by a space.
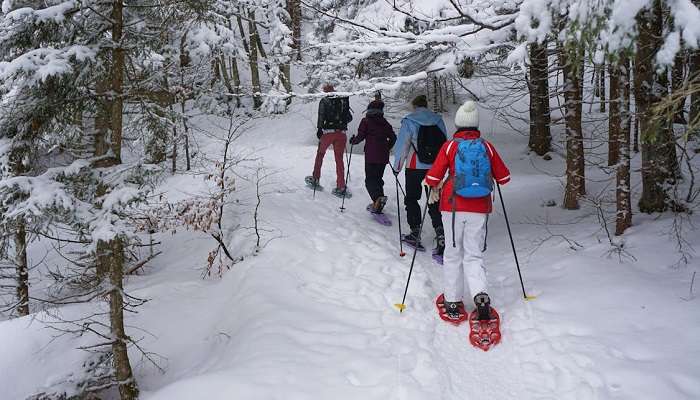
pixel 488 146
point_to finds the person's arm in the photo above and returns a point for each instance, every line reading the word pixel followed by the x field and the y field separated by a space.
pixel 361 133
pixel 348 116
pixel 403 145
pixel 321 113
pixel 442 127
pixel 440 166
pixel 500 172
pixel 391 136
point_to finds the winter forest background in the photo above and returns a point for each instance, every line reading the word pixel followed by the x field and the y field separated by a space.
pixel 156 240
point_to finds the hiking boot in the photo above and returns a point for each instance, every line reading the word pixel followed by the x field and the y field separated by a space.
pixel 483 306
pixel 453 309
pixel 342 192
pixel 440 239
pixel 413 237
pixel 312 182
pixel 413 240
pixel 378 205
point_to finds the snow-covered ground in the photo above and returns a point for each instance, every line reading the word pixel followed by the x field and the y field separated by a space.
pixel 312 316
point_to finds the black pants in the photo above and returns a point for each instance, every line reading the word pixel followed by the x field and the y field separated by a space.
pixel 414 177
pixel 374 179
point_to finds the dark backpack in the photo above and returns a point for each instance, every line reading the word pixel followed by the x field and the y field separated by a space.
pixel 430 140
pixel 335 113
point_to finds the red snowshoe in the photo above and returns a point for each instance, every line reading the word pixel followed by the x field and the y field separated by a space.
pixel 484 333
pixel 440 304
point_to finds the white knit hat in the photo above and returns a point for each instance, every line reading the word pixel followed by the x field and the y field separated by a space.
pixel 467 115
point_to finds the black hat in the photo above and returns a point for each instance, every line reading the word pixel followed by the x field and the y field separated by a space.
pixel 376 105
pixel 420 101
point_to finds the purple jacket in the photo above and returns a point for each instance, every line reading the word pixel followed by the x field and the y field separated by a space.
pixel 379 136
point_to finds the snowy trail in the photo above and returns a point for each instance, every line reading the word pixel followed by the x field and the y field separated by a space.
pixel 312 316
pixel 349 267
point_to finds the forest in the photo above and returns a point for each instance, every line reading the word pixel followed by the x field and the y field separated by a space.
pixel 157 239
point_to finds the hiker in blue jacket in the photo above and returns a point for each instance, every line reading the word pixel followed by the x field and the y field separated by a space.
pixel 421 135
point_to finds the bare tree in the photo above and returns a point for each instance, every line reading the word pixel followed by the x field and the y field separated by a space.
pixel 614 120
pixel 572 65
pixel 540 136
pixel 624 191
pixel 656 133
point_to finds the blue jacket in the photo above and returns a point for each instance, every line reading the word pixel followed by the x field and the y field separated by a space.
pixel 408 137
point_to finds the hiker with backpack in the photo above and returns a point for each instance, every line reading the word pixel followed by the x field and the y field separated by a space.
pixel 332 125
pixel 421 135
pixel 379 138
pixel 465 202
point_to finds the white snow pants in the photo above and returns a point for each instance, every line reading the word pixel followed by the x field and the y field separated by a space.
pixel 463 265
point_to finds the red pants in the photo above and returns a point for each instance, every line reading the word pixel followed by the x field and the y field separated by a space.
pixel 338 140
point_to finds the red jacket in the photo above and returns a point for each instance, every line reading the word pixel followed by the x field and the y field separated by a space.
pixel 446 159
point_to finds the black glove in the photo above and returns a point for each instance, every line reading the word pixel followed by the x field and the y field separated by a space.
pixel 352 139
pixel 319 133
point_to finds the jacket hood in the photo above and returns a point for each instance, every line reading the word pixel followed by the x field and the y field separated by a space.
pixel 374 113
pixel 423 116
pixel 467 133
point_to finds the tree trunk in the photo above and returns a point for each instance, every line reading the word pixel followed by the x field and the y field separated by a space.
pixel 174 154
pixel 647 94
pixel 253 60
pixel 236 76
pixel 102 121
pixel 601 87
pixel 694 79
pixel 635 130
pixel 623 217
pixel 575 174
pixel 222 69
pixel 678 85
pixel 117 81
pixel 540 136
pixel 115 265
pixel 614 118
pixel 294 10
pixel 17 168
pixel 435 106
pixel 128 389
pixel 22 268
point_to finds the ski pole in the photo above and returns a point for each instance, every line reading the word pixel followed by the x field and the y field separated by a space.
pixel 398 215
pixel 512 244
pixel 316 183
pixel 401 186
pixel 342 205
pixel 347 178
pixel 401 306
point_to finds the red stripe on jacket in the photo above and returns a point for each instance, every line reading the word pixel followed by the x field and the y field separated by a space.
pixel 446 161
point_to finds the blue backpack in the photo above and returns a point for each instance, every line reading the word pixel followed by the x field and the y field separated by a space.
pixel 472 169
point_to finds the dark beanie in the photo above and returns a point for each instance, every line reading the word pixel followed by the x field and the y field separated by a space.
pixel 420 101
pixel 376 105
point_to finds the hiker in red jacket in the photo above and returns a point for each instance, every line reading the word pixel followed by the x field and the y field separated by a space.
pixel 465 218
pixel 379 138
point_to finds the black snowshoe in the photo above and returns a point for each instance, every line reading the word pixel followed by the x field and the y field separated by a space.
pixel 313 183
pixel 338 192
pixel 413 240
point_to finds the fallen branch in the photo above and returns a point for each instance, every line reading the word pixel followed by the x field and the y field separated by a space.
pixel 142 263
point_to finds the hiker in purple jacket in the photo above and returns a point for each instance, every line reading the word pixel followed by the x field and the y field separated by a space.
pixel 379 139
